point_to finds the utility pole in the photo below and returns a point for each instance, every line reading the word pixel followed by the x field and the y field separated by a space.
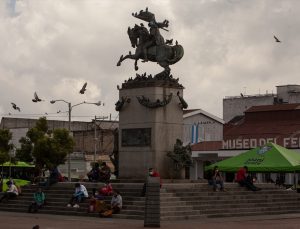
pixel 95 133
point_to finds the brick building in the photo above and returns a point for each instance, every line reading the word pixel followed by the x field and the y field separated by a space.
pixel 278 123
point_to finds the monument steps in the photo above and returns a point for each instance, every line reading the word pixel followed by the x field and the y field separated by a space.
pixel 72 212
pixel 253 213
pixel 177 202
pixel 58 195
pixel 200 201
pixel 241 201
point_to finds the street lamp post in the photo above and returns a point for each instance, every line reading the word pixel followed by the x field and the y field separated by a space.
pixel 70 107
pixel 95 134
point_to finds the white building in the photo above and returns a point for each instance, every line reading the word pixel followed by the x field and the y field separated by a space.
pixel 199 126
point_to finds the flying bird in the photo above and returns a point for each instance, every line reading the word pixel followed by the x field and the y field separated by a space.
pixel 36 98
pixel 276 39
pixel 15 107
pixel 82 90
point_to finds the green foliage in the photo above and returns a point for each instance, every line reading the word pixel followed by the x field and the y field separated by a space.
pixel 180 156
pixel 42 125
pixel 5 146
pixel 39 131
pixel 5 137
pixel 4 157
pixel 49 151
pixel 61 145
pixel 25 152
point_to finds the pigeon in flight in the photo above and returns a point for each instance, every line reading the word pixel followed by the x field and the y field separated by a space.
pixel 15 107
pixel 36 98
pixel 82 90
pixel 276 39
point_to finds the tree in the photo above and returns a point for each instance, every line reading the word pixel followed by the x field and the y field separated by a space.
pixel 47 150
pixel 181 156
pixel 5 145
pixel 25 152
pixel 61 145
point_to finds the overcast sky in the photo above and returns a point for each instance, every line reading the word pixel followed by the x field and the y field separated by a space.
pixel 54 46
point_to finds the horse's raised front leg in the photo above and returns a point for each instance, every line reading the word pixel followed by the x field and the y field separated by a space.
pixel 130 56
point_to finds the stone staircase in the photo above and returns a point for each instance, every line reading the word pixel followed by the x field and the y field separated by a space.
pixel 178 201
pixel 189 201
pixel 58 196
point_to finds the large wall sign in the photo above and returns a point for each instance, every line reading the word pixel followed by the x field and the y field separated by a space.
pixel 248 143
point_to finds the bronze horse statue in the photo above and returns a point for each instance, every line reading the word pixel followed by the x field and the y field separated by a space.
pixel 148 49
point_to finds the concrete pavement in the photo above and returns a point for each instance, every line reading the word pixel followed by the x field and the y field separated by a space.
pixel 12 220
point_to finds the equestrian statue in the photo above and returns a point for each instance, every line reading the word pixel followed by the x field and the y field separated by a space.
pixel 150 45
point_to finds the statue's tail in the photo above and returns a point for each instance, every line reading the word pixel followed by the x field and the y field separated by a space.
pixel 178 54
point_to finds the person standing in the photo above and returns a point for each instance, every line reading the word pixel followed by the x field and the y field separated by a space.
pixel 151 173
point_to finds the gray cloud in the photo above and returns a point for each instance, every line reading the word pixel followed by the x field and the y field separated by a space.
pixel 53 47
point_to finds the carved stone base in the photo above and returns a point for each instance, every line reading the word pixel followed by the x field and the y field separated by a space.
pixel 148 129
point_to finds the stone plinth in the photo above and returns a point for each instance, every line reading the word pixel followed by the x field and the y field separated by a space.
pixel 150 121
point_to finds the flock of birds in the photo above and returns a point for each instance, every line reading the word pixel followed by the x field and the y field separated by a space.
pixel 36 98
pixel 82 91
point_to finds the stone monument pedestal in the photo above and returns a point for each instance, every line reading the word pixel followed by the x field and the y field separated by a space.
pixel 150 121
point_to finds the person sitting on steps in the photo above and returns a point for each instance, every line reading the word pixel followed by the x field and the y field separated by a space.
pixel 105 172
pixel 116 202
pixel 79 195
pixel 39 201
pixel 242 179
pixel 217 179
pixel 93 175
pixel 12 192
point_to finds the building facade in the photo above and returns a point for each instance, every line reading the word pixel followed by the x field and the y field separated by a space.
pixel 234 106
pixel 279 123
pixel 92 142
pixel 199 126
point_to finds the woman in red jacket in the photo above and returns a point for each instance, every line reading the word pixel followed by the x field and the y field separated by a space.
pixel 241 178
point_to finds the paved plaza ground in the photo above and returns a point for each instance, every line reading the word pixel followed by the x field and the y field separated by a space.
pixel 10 220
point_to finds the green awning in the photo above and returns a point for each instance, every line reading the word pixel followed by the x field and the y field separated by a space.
pixel 269 158
pixel 18 164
